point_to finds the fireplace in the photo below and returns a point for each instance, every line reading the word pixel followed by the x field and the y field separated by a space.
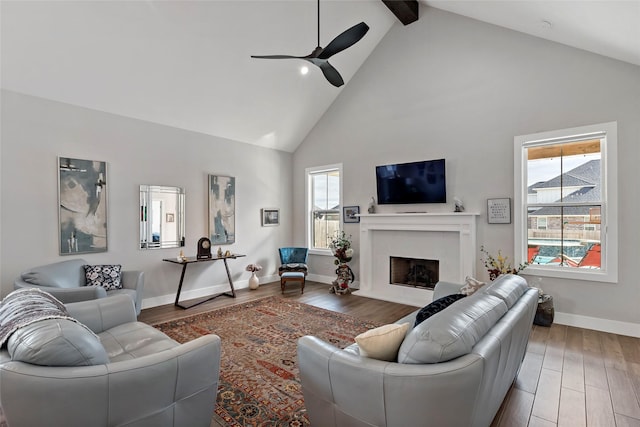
pixel 448 237
pixel 414 272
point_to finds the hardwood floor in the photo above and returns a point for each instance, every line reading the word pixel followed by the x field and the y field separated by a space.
pixel 569 377
pixel 575 377
pixel 315 293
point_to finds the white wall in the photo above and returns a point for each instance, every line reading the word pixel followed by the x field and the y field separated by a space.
pixel 36 131
pixel 451 87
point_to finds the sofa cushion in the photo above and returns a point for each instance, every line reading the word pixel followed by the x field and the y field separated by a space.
pixel 56 342
pixel 108 276
pixel 471 285
pixel 436 307
pixel 134 339
pixel 63 274
pixel 452 332
pixel 507 287
pixel 382 343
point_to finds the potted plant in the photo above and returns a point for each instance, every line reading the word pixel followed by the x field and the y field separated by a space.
pixel 499 264
pixel 343 252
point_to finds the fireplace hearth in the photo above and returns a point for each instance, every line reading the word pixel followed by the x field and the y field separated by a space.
pixel 414 272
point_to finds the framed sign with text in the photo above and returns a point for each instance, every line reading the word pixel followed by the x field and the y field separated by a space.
pixel 499 211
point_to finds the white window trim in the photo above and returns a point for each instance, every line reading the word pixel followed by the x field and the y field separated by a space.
pixel 308 207
pixel 609 164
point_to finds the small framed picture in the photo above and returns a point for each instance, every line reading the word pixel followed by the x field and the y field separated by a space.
pixel 270 217
pixel 349 213
pixel 170 217
pixel 499 211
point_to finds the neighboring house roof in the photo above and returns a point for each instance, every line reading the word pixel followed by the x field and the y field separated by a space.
pixel 589 192
pixel 583 175
pixel 532 188
pixel 583 195
pixel 567 181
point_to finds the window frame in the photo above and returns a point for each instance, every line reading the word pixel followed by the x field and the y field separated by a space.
pixel 609 215
pixel 309 205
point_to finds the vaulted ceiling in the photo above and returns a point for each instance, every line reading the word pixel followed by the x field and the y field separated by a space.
pixel 187 64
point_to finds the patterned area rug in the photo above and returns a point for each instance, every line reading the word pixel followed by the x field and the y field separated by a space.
pixel 259 377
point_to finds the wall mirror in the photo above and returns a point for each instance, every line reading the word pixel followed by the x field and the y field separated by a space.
pixel 161 217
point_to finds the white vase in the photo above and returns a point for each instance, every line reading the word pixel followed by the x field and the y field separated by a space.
pixel 254 283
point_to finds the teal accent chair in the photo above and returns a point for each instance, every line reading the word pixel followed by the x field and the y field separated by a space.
pixel 293 260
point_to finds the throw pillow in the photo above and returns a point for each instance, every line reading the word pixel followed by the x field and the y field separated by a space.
pixel 471 285
pixel 107 276
pixel 436 306
pixel 382 343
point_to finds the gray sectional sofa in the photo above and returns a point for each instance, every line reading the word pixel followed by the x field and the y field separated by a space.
pixel 454 369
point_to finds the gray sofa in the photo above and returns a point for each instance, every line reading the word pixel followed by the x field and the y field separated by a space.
pixel 66 281
pixel 477 343
pixel 148 379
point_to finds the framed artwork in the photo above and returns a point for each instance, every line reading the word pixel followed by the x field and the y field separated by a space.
pixel 270 217
pixel 170 217
pixel 222 209
pixel 349 213
pixel 82 206
pixel 499 211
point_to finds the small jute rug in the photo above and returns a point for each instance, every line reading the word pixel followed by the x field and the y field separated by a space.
pixel 259 378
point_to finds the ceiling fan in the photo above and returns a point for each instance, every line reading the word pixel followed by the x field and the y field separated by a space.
pixel 320 56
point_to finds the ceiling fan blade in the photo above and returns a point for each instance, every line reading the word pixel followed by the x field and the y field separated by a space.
pixel 344 40
pixel 331 74
pixel 277 57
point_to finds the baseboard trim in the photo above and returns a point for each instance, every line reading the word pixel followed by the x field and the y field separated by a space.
pixel 202 292
pixel 597 324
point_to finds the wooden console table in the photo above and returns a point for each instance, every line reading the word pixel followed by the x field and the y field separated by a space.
pixel 192 260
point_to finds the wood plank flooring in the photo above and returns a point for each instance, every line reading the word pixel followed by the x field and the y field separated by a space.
pixel 569 377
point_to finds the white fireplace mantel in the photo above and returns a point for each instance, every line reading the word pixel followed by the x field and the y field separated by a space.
pixel 449 237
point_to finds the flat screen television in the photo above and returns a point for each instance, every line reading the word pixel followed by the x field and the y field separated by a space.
pixel 416 182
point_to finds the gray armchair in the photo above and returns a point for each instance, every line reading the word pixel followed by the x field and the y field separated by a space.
pixel 66 281
pixel 148 380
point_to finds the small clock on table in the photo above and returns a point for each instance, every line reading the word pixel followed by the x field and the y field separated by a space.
pixel 204 248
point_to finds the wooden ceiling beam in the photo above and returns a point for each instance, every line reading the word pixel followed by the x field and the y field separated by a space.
pixel 405 10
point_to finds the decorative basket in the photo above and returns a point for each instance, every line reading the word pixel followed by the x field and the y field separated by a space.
pixel 545 311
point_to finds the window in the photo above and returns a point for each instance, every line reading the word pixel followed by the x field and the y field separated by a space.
pixel 324 200
pixel 566 203
pixel 541 222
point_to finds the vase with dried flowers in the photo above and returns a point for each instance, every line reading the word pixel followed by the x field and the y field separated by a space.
pixel 497 265
pixel 341 247
pixel 254 283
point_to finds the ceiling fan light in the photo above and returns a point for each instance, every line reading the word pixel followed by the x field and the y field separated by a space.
pixel 304 70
